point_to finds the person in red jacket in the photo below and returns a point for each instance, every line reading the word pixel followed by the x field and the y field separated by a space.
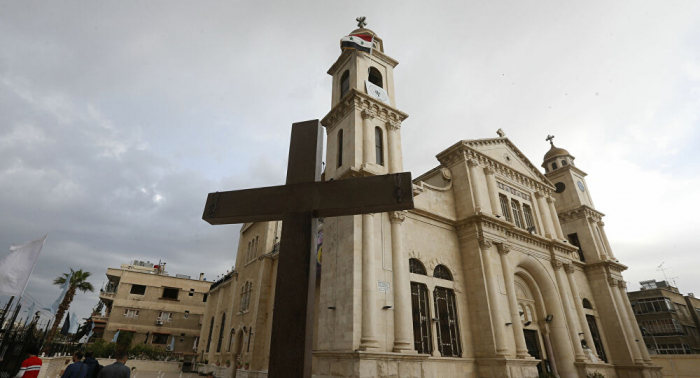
pixel 31 366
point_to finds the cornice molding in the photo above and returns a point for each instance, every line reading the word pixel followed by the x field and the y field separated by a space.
pixel 582 212
pixel 463 151
pixel 356 100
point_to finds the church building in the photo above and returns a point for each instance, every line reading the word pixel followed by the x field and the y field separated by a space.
pixel 502 269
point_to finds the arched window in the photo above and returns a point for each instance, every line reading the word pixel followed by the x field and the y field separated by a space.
pixel 344 84
pixel 230 339
pixel 375 77
pixel 587 304
pixel 379 145
pixel 221 332
pixel 554 165
pixel 563 163
pixel 245 295
pixel 247 255
pixel 257 244
pixel 211 328
pixel 529 220
pixel 442 272
pixel 416 267
pixel 340 147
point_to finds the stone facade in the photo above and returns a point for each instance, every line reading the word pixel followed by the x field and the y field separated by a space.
pixel 136 301
pixel 486 277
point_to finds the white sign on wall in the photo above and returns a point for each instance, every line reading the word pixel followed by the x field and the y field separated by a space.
pixel 383 286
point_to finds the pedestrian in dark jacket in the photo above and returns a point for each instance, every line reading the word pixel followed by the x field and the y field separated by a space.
pixel 117 369
pixel 77 369
pixel 90 364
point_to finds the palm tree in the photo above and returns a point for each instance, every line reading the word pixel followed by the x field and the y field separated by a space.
pixel 78 281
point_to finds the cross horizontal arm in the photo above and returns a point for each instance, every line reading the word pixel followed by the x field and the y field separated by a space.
pixel 374 194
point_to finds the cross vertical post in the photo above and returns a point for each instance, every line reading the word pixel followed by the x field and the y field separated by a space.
pixel 293 315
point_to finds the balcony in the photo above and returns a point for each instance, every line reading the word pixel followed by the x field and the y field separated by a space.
pixel 108 295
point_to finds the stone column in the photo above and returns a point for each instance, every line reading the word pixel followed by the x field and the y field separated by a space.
pixel 368 137
pixel 394 139
pixel 622 287
pixel 368 341
pixel 579 307
pixel 403 316
pixel 605 238
pixel 494 295
pixel 520 346
pixel 546 215
pixel 602 254
pixel 478 200
pixel 555 218
pixel 493 191
pixel 548 346
pixel 570 319
pixel 626 325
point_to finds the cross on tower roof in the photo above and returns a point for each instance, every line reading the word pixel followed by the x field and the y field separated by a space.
pixel 549 139
pixel 361 22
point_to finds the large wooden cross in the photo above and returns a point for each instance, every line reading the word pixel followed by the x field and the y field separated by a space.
pixel 298 203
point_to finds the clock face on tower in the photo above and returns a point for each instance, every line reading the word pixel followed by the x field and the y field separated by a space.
pixel 580 186
pixel 377 92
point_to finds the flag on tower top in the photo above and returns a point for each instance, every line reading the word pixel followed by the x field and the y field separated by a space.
pixel 359 42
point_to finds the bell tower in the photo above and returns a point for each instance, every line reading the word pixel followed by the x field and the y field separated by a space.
pixel 363 126
pixel 581 223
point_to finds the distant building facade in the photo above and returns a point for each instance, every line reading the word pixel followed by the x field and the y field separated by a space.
pixel 145 304
pixel 238 316
pixel 668 319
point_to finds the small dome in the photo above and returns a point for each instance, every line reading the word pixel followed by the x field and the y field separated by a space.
pixel 363 31
pixel 555 151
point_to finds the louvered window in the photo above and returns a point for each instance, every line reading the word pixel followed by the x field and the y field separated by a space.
pixel 447 327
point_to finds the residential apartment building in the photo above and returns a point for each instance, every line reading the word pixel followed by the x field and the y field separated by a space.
pixel 668 319
pixel 146 304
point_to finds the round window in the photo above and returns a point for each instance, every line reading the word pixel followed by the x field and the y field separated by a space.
pixel 559 187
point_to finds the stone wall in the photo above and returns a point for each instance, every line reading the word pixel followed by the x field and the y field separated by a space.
pixel 51 367
pixel 677 365
pixel 147 365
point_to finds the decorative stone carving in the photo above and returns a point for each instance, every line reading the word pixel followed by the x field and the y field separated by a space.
pixel 446 174
pixel 503 248
pixel 489 170
pixel 473 162
pixel 612 282
pixel 556 264
pixel 622 284
pixel 550 200
pixel 501 133
pixel 485 244
pixel 569 269
pixel 601 223
pixel 393 125
pixel 368 114
pixel 397 216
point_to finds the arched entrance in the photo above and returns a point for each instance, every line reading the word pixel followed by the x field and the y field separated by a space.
pixel 548 325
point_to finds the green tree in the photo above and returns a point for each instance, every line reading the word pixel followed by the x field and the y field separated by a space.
pixel 78 281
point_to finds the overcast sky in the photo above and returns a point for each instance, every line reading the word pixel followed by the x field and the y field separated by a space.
pixel 117 118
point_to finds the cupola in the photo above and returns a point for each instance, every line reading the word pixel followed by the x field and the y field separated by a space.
pixel 556 157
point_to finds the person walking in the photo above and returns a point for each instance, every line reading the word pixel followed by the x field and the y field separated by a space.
pixel 77 369
pixel 91 364
pixel 31 366
pixel 117 369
